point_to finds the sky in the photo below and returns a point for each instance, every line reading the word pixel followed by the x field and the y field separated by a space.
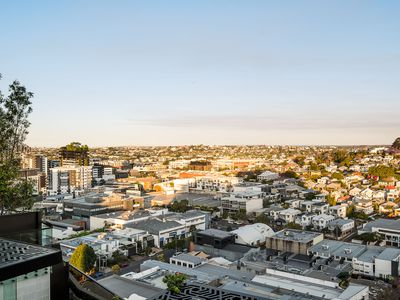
pixel 109 73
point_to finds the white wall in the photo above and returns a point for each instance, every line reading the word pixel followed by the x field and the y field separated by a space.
pixel 383 267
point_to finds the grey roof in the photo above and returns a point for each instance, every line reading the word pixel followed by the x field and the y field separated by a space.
pixel 155 225
pixel 222 272
pixel 189 258
pixel 12 253
pixel 370 254
pixel 340 222
pixel 296 235
pixel 200 275
pixel 125 215
pixel 125 287
pixel 186 215
pixel 216 233
pixel 383 223
pixel 351 291
pixel 389 254
pixel 261 291
pixel 349 250
pixel 327 247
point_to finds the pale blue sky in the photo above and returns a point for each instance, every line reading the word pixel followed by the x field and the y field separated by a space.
pixel 211 72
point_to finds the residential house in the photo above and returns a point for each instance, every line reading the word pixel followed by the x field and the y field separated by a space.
pixel 321 221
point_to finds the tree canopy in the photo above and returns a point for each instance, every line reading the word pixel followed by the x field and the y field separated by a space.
pixel 381 171
pixel 15 192
pixel 175 282
pixel 180 206
pixel 83 258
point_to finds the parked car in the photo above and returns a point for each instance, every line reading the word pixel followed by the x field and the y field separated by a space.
pixel 98 275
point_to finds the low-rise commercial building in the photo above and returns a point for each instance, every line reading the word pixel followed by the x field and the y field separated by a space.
pixel 294 241
pixel 388 229
pixel 248 202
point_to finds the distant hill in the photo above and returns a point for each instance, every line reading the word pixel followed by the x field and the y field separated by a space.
pixel 396 144
pixel 395 148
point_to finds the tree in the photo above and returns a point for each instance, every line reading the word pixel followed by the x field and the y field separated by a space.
pixel 310 196
pixel 299 160
pixel 15 192
pixel 338 176
pixel 116 269
pixel 290 174
pixel 262 218
pixel 331 200
pixel 118 256
pixel 240 215
pixel 83 258
pixel 381 171
pixel 160 257
pixel 370 237
pixel 192 228
pixel 180 206
pixel 293 225
pixel 175 282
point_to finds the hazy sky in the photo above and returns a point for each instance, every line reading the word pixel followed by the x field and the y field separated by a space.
pixel 210 72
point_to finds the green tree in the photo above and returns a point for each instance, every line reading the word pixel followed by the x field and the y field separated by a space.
pixel 350 210
pixel 240 215
pixel 180 206
pixel 290 174
pixel 370 237
pixel 83 258
pixel 118 256
pixel 175 282
pixel 160 257
pixel 293 225
pixel 331 200
pixel 310 196
pixel 381 171
pixel 299 160
pixel 338 176
pixel 116 269
pixel 262 218
pixel 15 192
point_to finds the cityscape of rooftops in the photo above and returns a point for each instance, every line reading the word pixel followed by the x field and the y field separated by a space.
pixel 239 150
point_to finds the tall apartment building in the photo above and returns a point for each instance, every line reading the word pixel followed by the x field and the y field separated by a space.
pixel 41 163
pixel 68 179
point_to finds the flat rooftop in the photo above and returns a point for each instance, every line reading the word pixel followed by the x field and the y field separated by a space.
pixel 216 233
pixel 125 215
pixel 126 287
pixel 17 258
pixel 296 235
pixel 384 224
pixel 389 254
pixel 189 258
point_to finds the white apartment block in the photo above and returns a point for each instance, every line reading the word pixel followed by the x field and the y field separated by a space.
pixel 338 211
pixel 318 207
pixel 249 201
pixel 214 183
pixel 321 221
pixel 68 179
pixel 289 215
